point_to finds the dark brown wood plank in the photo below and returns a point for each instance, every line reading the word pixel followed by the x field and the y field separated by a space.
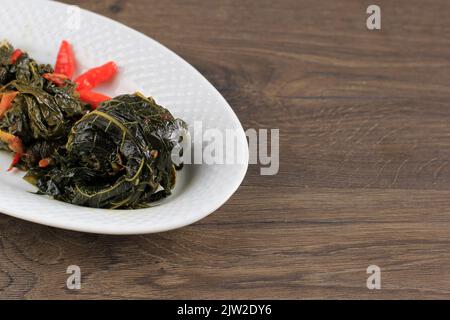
pixel 365 161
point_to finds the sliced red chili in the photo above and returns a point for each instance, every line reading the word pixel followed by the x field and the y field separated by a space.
pixel 15 56
pixel 93 98
pixel 65 61
pixel 44 163
pixel 57 78
pixel 95 76
pixel 6 102
pixel 16 160
pixel 15 144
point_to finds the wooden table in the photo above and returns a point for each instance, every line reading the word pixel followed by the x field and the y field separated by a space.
pixel 365 161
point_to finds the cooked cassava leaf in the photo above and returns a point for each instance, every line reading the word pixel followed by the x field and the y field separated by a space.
pixel 118 156
pixel 24 69
pixel 40 114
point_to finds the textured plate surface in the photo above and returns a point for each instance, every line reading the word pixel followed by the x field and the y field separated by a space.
pixel 147 66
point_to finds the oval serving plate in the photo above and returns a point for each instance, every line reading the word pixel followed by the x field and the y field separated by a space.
pixel 147 66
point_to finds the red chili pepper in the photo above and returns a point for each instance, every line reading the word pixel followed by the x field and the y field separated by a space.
pixel 93 98
pixel 6 102
pixel 57 78
pixel 65 61
pixel 15 144
pixel 15 56
pixel 95 76
pixel 44 163
pixel 16 159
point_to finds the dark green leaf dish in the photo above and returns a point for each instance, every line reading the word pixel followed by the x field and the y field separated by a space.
pixel 42 114
pixel 118 156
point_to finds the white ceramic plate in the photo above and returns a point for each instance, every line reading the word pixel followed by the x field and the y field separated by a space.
pixel 38 27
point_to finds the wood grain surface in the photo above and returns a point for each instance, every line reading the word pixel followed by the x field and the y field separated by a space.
pixel 365 161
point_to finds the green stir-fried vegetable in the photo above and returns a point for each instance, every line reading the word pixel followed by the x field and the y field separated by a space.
pixel 118 156
pixel 40 113
pixel 115 156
